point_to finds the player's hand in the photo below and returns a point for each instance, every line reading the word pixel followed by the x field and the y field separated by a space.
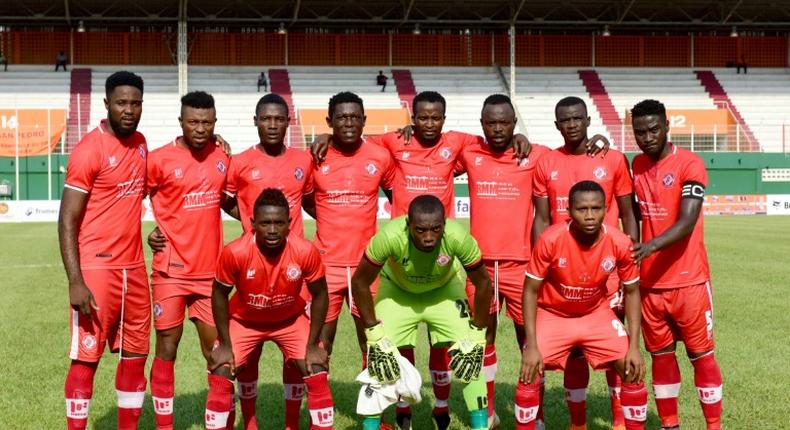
pixel 521 146
pixel 382 364
pixel 597 144
pixel 319 147
pixel 315 356
pixel 531 364
pixel 640 251
pixel 466 355
pixel 222 355
pixel 634 366
pixel 406 132
pixel 223 144
pixel 81 299
pixel 157 240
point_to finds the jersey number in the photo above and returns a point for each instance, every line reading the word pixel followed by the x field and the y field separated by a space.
pixel 618 326
pixel 463 308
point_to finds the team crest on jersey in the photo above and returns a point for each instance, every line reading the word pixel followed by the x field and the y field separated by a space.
pixel 555 175
pixel 405 155
pixel 158 311
pixel 220 166
pixel 298 173
pixel 141 150
pixel 523 162
pixel 325 169
pixel 668 180
pixel 293 272
pixel 445 153
pixel 599 173
pixel 250 273
pixel 89 342
pixel 178 173
pixel 112 161
pixel 478 161
pixel 371 169
pixel 443 259
pixel 256 174
pixel 607 264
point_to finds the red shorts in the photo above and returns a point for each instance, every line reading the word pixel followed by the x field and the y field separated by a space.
pixel 600 335
pixel 338 282
pixel 507 277
pixel 123 320
pixel 685 314
pixel 171 296
pixel 290 336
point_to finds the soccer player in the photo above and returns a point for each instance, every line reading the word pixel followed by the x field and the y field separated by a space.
pixel 185 179
pixel 565 306
pixel 420 255
pixel 557 171
pixel 267 267
pixel 99 232
pixel 346 198
pixel 676 293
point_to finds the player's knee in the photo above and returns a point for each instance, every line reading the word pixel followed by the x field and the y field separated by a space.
pixel 694 355
pixel 668 349
pixel 167 344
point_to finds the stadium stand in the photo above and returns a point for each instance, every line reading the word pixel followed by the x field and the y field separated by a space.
pixel 34 86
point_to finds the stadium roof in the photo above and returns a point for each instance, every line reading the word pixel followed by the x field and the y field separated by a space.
pixel 643 15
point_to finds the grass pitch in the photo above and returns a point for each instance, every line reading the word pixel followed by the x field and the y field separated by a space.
pixel 751 282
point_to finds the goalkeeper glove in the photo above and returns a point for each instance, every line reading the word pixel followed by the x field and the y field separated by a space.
pixel 466 355
pixel 382 364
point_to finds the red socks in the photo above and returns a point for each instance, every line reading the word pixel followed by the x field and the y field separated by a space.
pixel 319 401
pixel 614 383
pixel 404 407
pixel 294 389
pixel 576 378
pixel 489 372
pixel 634 399
pixel 162 389
pixel 219 403
pixel 439 365
pixel 78 391
pixel 666 387
pixel 527 403
pixel 247 382
pixel 707 379
pixel 130 386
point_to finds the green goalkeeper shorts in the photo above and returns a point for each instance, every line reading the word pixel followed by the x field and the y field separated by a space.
pixel 445 310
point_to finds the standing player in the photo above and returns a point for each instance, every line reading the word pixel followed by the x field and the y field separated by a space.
pixel 676 299
pixel 346 199
pixel 419 283
pixel 565 306
pixel 185 180
pixel 268 267
pixel 108 289
pixel 557 171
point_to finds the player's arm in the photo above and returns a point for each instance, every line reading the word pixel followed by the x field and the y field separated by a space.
pixel 542 217
pixel 360 289
pixel 72 208
pixel 222 353
pixel 625 206
pixel 596 144
pixel 387 193
pixel 478 275
pixel 320 146
pixel 230 205
pixel 308 204
pixel 531 358
pixel 315 356
pixel 634 363
pixel 690 207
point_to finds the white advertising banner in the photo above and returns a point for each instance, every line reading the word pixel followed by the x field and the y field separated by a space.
pixel 778 204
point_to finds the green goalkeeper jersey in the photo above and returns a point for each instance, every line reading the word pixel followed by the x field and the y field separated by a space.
pixel 416 271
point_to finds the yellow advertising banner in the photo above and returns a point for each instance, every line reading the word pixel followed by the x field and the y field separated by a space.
pixel 38 131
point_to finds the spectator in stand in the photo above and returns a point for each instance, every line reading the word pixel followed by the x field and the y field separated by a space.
pixel 61 60
pixel 381 80
pixel 262 82
pixel 741 65
pixel 4 61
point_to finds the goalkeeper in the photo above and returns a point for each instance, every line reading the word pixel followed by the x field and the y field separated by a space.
pixel 419 256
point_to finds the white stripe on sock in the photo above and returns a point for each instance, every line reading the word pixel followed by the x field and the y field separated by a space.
pixel 666 391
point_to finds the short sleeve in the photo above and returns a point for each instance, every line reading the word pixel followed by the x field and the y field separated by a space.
pixel 313 267
pixel 227 268
pixel 694 170
pixel 623 184
pixel 388 178
pixel 540 262
pixel 466 249
pixel 308 187
pixel 232 179
pixel 152 175
pixel 379 249
pixel 460 163
pixel 377 140
pixel 83 167
pixel 627 270
pixel 539 179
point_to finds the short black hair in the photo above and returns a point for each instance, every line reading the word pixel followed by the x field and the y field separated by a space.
pixel 271 197
pixel 271 98
pixel 649 107
pixel 498 99
pixel 198 100
pixel 429 97
pixel 425 204
pixel 344 97
pixel 120 79
pixel 584 187
pixel 570 101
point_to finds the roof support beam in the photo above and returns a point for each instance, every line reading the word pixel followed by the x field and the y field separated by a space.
pixel 625 12
pixel 296 12
pixel 732 11
pixel 517 12
pixel 66 11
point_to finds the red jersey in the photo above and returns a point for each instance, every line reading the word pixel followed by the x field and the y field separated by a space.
pixel 267 289
pixel 112 172
pixel 347 201
pixel 186 188
pixel 424 170
pixel 253 170
pixel 660 186
pixel 575 277
pixel 500 192
pixel 558 171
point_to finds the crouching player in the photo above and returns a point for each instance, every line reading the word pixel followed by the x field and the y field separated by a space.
pixel 565 306
pixel 267 267
pixel 419 283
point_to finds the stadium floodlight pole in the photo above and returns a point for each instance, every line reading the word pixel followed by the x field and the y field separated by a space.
pixel 512 33
pixel 182 50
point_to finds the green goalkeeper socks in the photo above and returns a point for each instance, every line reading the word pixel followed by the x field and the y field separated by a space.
pixel 371 423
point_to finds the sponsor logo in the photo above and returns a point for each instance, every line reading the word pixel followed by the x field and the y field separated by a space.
pixel 371 169
pixel 158 311
pixel 89 342
pixel 405 155
pixel 668 180
pixel 262 301
pixel 112 161
pixel 325 169
pixel 141 150
pixel 178 173
pixel 523 162
pixel 599 173
pixel 562 262
pixel 163 406
pixel 220 166
pixel 555 175
pixel 293 272
pixel 77 408
pixel 250 273
pixel 443 259
pixel 607 264
pixel 28 211
pixel 256 174
pixel 445 153
pixel 298 173
pixel 478 161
